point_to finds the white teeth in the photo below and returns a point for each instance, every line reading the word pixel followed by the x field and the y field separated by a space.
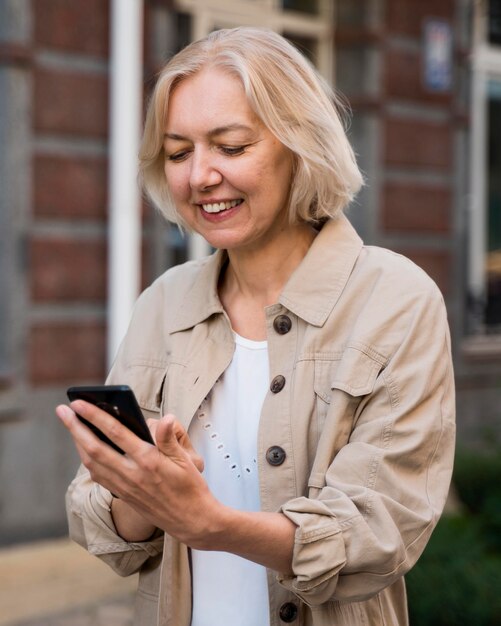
pixel 217 207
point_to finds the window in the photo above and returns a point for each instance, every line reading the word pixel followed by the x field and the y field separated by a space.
pixel 493 208
pixel 307 45
pixel 485 207
pixel 306 6
pixel 494 23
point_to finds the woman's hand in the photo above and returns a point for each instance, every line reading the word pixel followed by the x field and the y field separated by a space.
pixel 162 483
pixel 181 436
pixel 161 487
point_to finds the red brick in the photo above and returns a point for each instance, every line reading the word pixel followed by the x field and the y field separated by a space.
pixel 416 143
pixel 70 103
pixel 72 25
pixel 436 263
pixel 70 187
pixel 67 352
pixel 406 16
pixel 68 270
pixel 404 78
pixel 409 207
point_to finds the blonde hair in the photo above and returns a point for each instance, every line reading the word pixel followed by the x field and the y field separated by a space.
pixel 290 98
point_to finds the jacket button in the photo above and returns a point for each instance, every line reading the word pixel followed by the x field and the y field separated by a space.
pixel 282 324
pixel 277 384
pixel 275 455
pixel 288 612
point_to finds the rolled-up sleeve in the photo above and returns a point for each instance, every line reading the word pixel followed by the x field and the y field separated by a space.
pixel 383 492
pixel 90 521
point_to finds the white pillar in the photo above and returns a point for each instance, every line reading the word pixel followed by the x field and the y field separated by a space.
pixel 197 246
pixel 125 112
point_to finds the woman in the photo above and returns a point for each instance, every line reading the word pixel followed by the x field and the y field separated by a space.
pixel 310 375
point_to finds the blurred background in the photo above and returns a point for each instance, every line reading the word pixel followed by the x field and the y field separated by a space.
pixel 423 79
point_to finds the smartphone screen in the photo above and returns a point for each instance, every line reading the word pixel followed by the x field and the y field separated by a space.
pixel 120 402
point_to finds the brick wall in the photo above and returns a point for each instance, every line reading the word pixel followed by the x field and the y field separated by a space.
pixel 68 235
pixel 54 177
pixel 412 165
pixel 63 182
pixel 417 143
pixel 413 145
pixel 68 241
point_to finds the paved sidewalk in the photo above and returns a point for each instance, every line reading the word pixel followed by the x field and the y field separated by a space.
pixel 56 583
pixel 117 612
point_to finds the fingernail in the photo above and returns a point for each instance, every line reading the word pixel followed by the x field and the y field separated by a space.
pixel 64 412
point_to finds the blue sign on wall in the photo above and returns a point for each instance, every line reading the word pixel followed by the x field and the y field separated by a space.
pixel 437 55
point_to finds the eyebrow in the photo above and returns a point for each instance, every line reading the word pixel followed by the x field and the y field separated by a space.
pixel 220 130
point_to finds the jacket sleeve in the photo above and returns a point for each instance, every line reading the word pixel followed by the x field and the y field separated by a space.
pixel 90 522
pixel 383 492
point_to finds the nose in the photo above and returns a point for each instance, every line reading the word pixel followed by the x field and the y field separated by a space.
pixel 204 173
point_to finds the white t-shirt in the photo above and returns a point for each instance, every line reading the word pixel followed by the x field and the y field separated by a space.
pixel 228 589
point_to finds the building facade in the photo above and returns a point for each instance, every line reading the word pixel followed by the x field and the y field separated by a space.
pixel 424 82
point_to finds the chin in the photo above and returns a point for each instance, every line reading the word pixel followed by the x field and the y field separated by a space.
pixel 223 243
pixel 223 240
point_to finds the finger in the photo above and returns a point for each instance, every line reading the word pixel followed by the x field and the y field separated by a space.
pixel 84 438
pixel 99 458
pixel 179 432
pixel 184 441
pixel 81 434
pixel 152 425
pixel 167 439
pixel 111 427
pixel 66 415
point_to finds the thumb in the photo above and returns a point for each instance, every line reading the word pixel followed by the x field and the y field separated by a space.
pixel 170 423
pixel 166 439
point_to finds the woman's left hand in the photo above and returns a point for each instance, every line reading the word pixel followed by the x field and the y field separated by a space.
pixel 181 436
pixel 162 483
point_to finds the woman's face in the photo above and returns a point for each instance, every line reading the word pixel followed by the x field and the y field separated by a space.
pixel 227 173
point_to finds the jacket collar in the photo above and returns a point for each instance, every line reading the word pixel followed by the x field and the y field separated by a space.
pixel 201 300
pixel 311 292
pixel 317 283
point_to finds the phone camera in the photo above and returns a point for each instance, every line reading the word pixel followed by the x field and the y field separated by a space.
pixel 109 408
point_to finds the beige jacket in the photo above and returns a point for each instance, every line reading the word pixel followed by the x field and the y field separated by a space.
pixel 356 436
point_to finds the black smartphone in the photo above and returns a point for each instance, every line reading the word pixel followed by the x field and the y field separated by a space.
pixel 120 402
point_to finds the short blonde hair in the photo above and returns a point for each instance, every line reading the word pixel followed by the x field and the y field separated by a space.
pixel 290 98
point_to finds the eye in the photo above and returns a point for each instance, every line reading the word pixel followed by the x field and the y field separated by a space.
pixel 233 150
pixel 179 156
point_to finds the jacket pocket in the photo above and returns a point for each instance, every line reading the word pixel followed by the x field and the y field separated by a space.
pixel 342 387
pixel 354 372
pixel 147 381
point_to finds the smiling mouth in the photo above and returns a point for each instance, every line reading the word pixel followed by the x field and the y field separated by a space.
pixel 217 207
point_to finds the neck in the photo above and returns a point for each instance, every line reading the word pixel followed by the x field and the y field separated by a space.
pixel 262 274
